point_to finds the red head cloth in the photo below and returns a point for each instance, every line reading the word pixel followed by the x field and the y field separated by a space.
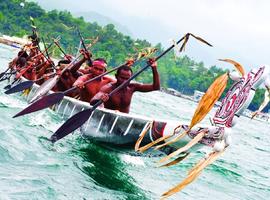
pixel 100 63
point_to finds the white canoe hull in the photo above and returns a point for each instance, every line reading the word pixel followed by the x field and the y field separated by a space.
pixel 105 125
pixel 118 128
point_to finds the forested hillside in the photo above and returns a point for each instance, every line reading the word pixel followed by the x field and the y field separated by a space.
pixel 180 73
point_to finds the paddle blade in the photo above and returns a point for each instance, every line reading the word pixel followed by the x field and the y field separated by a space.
pixel 42 103
pixel 7 87
pixel 201 40
pixel 194 141
pixel 238 66
pixel 254 114
pixel 71 124
pixel 182 48
pixel 194 174
pixel 45 88
pixel 4 78
pixel 2 74
pixel 20 87
pixel 175 161
pixel 186 38
pixel 209 98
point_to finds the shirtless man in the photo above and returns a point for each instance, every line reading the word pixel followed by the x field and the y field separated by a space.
pixel 122 99
pixel 71 74
pixel 88 91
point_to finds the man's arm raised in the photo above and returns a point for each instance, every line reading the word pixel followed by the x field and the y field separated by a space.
pixel 76 66
pixel 156 81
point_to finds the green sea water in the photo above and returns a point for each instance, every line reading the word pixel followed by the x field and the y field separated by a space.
pixel 76 168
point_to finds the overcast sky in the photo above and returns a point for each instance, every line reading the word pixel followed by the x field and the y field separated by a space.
pixel 238 29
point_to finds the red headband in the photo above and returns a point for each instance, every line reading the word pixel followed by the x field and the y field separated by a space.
pixel 100 63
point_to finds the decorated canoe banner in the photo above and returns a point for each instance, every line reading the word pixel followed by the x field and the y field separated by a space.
pixel 239 97
pixel 218 136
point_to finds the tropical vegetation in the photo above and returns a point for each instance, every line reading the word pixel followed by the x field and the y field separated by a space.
pixel 180 73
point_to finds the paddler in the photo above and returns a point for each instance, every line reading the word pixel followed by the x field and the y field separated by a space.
pixel 88 91
pixel 71 74
pixel 67 78
pixel 122 99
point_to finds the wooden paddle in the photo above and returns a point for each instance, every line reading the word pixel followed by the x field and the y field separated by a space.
pixel 35 33
pixel 238 66
pixel 193 174
pixel 7 75
pixel 24 85
pixel 50 83
pixel 3 73
pixel 56 97
pixel 195 117
pixel 205 105
pixel 15 71
pixel 7 87
pixel 82 41
pixel 80 118
pixel 60 48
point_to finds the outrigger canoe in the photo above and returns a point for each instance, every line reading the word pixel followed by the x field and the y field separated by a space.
pixel 109 126
pixel 118 128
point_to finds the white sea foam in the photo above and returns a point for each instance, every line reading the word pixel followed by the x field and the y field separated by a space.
pixel 135 160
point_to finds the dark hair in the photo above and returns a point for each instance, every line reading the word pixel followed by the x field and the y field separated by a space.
pixel 125 68
pixel 22 54
pixel 21 61
pixel 63 62
pixel 33 37
pixel 90 62
pixel 101 59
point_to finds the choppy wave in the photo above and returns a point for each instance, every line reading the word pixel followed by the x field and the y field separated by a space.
pixel 76 168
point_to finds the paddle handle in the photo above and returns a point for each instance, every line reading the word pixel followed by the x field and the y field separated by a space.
pixel 50 45
pixel 48 56
pixel 143 69
pixel 49 75
pixel 60 48
pixel 93 79
pixel 99 76
pixel 70 64
pixel 83 44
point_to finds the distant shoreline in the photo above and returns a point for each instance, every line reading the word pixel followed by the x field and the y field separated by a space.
pixel 17 42
pixel 176 93
pixel 13 41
